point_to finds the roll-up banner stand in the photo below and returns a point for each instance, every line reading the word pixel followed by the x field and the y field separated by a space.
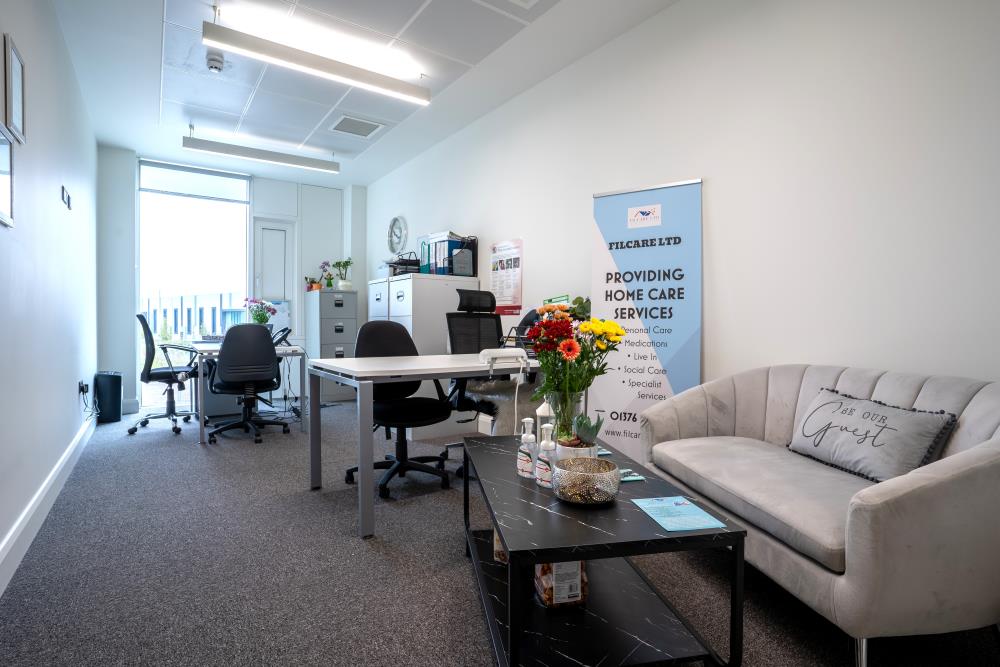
pixel 647 277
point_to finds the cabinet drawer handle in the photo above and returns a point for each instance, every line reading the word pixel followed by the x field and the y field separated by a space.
pixel 338 353
pixel 338 303
pixel 378 296
pixel 400 295
pixel 338 328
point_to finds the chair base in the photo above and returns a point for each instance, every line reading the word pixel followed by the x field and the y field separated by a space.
pixel 249 421
pixel 402 463
pixel 171 413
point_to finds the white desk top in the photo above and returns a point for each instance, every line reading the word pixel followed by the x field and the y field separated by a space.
pixel 443 365
pixel 210 349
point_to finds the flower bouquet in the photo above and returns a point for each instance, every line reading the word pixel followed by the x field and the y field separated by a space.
pixel 572 353
pixel 260 310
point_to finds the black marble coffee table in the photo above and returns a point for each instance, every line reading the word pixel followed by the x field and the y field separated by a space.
pixel 625 620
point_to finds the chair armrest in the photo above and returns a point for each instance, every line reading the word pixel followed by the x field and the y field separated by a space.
pixel 166 347
pixel 922 550
pixel 682 416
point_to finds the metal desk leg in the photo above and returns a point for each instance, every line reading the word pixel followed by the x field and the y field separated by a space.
pixel 315 435
pixel 366 456
pixel 200 390
pixel 736 610
pixel 302 392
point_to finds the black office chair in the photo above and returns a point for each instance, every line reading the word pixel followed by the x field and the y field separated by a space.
pixel 169 375
pixel 247 367
pixel 474 328
pixel 395 406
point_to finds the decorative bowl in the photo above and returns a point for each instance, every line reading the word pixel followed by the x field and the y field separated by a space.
pixel 585 480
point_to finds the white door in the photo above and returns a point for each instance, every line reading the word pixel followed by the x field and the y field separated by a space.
pixel 274 246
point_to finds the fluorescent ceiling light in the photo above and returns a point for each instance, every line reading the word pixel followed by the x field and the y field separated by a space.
pixel 282 55
pixel 260 155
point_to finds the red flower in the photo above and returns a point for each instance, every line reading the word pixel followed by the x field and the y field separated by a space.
pixel 569 349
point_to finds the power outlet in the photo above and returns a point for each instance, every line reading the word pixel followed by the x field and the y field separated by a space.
pixel 83 387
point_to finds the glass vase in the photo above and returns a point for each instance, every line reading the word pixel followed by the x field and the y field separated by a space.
pixel 566 405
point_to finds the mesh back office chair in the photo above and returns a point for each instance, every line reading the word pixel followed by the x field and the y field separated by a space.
pixel 247 367
pixel 395 406
pixel 474 328
pixel 169 375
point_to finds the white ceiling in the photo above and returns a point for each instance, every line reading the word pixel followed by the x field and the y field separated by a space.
pixel 141 66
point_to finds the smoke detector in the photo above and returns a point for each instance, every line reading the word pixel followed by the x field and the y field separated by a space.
pixel 215 61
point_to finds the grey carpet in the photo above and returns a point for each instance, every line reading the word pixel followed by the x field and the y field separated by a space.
pixel 160 551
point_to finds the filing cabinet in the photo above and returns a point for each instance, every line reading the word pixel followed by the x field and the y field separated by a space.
pixel 420 302
pixel 331 330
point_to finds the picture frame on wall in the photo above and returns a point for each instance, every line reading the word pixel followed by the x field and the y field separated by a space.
pixel 14 80
pixel 6 178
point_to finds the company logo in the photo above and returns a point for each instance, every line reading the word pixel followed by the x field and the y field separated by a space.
pixel 644 216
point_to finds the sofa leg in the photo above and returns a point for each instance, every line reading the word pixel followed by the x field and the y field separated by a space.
pixel 861 652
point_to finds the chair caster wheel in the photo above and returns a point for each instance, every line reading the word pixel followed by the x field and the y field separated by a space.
pixel 176 429
pixel 187 419
pixel 258 440
pixel 132 430
pixel 285 429
pixel 383 493
pixel 211 439
pixel 144 422
pixel 206 421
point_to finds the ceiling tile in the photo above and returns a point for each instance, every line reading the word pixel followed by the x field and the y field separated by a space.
pixel 528 10
pixel 251 130
pixel 204 91
pixel 437 71
pixel 303 86
pixel 182 49
pixel 341 144
pixel 188 13
pixel 461 29
pixel 366 104
pixel 291 112
pixel 178 116
pixel 385 16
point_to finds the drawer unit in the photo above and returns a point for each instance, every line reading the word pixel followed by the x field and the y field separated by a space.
pixel 378 299
pixel 331 329
pixel 338 304
pixel 336 351
pixel 342 330
pixel 401 297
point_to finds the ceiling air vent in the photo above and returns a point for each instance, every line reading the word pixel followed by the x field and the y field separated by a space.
pixel 356 126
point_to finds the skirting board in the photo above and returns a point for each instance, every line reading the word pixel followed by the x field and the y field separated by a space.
pixel 17 540
pixel 130 406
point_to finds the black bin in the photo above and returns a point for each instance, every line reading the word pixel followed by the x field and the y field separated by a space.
pixel 108 396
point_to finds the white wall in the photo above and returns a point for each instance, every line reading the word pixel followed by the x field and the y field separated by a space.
pixel 47 279
pixel 850 152
pixel 117 170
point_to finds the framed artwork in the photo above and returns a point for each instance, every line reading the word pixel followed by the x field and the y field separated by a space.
pixel 15 89
pixel 6 178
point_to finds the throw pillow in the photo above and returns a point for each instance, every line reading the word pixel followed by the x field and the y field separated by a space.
pixel 868 438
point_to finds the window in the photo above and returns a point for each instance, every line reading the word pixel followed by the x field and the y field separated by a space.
pixel 193 251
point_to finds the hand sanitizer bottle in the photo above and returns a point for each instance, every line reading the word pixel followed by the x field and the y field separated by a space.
pixel 526 452
pixel 545 415
pixel 546 452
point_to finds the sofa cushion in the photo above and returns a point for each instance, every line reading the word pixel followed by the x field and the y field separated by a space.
pixel 800 501
pixel 869 438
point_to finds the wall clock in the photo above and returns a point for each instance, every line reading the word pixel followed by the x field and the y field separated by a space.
pixel 397 234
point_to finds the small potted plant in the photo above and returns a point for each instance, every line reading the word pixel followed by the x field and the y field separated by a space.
pixel 342 267
pixel 310 282
pixel 324 272
pixel 260 310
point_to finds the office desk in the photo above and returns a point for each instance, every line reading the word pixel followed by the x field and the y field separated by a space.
pixel 362 374
pixel 208 351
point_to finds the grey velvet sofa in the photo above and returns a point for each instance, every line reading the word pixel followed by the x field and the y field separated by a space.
pixel 916 554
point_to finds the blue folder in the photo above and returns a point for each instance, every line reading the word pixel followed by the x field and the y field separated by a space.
pixel 677 513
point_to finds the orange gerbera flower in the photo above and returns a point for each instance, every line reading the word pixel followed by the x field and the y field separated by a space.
pixel 569 349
